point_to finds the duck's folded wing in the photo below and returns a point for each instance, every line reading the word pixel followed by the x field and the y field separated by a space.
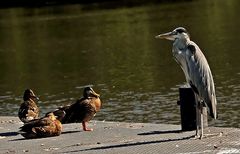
pixel 35 123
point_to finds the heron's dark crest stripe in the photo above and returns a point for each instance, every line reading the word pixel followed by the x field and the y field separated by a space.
pixel 181 30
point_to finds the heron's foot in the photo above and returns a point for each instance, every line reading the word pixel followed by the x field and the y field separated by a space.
pixel 202 136
pixel 213 135
pixel 197 136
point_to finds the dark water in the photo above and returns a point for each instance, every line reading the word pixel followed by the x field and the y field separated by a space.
pixel 58 50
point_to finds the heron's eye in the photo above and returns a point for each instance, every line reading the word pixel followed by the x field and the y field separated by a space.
pixel 174 32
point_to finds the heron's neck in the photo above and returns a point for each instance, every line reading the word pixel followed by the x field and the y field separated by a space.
pixel 182 43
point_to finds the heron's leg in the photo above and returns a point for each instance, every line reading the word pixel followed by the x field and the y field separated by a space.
pixel 201 113
pixel 197 116
pixel 197 131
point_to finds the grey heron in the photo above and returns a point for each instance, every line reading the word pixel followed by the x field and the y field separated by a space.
pixel 196 70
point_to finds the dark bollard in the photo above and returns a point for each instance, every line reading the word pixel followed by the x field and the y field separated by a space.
pixel 188 109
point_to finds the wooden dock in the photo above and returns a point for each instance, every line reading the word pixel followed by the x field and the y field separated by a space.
pixel 118 138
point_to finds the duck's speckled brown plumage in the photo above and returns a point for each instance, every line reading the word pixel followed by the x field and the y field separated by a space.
pixel 44 127
pixel 82 111
pixel 28 109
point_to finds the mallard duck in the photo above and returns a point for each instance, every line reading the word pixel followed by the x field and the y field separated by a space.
pixel 82 111
pixel 44 127
pixel 28 109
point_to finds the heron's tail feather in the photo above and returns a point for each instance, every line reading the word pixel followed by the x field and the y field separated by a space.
pixel 213 108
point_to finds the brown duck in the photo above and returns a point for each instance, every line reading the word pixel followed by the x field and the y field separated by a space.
pixel 82 111
pixel 44 127
pixel 28 109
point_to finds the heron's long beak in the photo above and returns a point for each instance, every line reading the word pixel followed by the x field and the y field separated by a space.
pixel 168 36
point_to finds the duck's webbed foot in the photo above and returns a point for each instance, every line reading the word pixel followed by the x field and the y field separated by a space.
pixel 84 124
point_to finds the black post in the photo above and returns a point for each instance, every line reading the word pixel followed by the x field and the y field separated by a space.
pixel 188 109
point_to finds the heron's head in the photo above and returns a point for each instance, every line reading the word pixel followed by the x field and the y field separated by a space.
pixel 178 33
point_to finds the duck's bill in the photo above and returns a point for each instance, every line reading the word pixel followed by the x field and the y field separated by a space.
pixel 36 97
pixel 95 94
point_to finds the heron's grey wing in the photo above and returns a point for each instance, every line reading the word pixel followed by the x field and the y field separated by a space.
pixel 200 77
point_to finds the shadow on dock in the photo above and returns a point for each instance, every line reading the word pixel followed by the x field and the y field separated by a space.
pixel 7 134
pixel 133 144
pixel 161 132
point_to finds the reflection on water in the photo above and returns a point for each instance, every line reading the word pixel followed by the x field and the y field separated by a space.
pixel 57 51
